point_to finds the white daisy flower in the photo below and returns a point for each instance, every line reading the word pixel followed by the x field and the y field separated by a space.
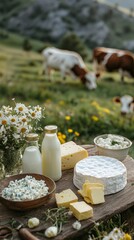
pixel 35 115
pixel 13 119
pixel 4 121
pixel 23 129
pixel 21 108
pixel 16 122
pixel 7 109
pixel 37 108
pixel 23 119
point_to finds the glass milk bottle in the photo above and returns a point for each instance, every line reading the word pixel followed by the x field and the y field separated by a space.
pixel 31 160
pixel 51 153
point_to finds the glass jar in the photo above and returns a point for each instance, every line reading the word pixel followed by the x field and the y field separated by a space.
pixel 51 153
pixel 31 160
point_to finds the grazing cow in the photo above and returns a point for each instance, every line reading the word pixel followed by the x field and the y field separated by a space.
pixel 110 60
pixel 68 62
pixel 127 104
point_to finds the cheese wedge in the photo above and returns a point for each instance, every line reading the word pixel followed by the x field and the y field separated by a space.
pixel 71 153
pixel 64 198
pixel 81 210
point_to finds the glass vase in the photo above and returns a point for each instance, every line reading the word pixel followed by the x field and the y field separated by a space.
pixel 12 160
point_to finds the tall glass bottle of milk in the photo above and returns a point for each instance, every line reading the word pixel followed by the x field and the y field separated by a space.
pixel 31 160
pixel 51 153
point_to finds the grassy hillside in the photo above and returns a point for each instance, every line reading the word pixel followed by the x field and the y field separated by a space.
pixel 51 20
pixel 91 113
pixel 17 41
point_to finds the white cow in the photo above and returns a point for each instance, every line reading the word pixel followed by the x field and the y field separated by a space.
pixel 68 62
pixel 127 104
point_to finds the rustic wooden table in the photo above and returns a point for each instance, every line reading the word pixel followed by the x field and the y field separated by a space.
pixel 115 203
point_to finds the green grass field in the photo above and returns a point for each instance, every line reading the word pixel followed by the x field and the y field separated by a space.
pixel 91 112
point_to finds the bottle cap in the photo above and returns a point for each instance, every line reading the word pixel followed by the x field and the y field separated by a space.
pixel 32 137
pixel 51 129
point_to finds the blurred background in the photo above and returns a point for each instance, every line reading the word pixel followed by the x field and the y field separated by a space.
pixel 28 26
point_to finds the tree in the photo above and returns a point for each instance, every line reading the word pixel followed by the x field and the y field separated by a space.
pixel 27 45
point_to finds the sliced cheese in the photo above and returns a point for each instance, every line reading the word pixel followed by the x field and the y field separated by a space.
pixel 92 192
pixel 71 153
pixel 95 195
pixel 64 198
pixel 81 210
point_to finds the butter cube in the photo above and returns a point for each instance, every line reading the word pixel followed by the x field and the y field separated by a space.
pixel 71 153
pixel 81 210
pixel 64 198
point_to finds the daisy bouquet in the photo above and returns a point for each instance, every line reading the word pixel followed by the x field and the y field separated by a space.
pixel 16 122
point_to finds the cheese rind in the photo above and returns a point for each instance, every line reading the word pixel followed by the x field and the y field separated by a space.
pixel 64 198
pixel 71 153
pixel 81 210
pixel 101 169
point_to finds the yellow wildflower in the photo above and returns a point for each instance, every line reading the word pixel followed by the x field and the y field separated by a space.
pixel 61 140
pixel 95 118
pixel 95 104
pixel 61 102
pixel 70 130
pixel 76 134
pixel 127 237
pixel 67 118
pixel 48 100
pixel 61 137
pixel 106 110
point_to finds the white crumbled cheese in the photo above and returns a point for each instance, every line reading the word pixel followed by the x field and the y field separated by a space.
pixel 27 188
pixel 76 225
pixel 33 222
pixel 113 142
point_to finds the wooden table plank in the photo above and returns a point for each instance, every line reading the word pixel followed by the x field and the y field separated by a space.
pixel 114 203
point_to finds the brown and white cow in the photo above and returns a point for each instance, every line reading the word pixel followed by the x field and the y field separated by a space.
pixel 127 104
pixel 68 62
pixel 110 60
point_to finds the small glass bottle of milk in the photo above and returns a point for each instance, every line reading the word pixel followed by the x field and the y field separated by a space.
pixel 31 160
pixel 51 153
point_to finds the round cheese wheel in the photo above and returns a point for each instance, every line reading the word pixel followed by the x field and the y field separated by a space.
pixel 101 169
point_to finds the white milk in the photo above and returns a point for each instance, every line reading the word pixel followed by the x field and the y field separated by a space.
pixel 51 154
pixel 31 160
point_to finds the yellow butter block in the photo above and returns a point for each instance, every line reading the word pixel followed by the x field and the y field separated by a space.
pixel 71 153
pixel 64 198
pixel 81 210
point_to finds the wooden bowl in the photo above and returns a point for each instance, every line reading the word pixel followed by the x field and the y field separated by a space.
pixel 27 204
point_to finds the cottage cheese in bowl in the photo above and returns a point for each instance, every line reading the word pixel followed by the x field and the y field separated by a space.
pixel 113 146
pixel 113 142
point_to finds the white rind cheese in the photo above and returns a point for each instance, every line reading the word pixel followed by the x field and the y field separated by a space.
pixel 109 171
pixel 71 153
